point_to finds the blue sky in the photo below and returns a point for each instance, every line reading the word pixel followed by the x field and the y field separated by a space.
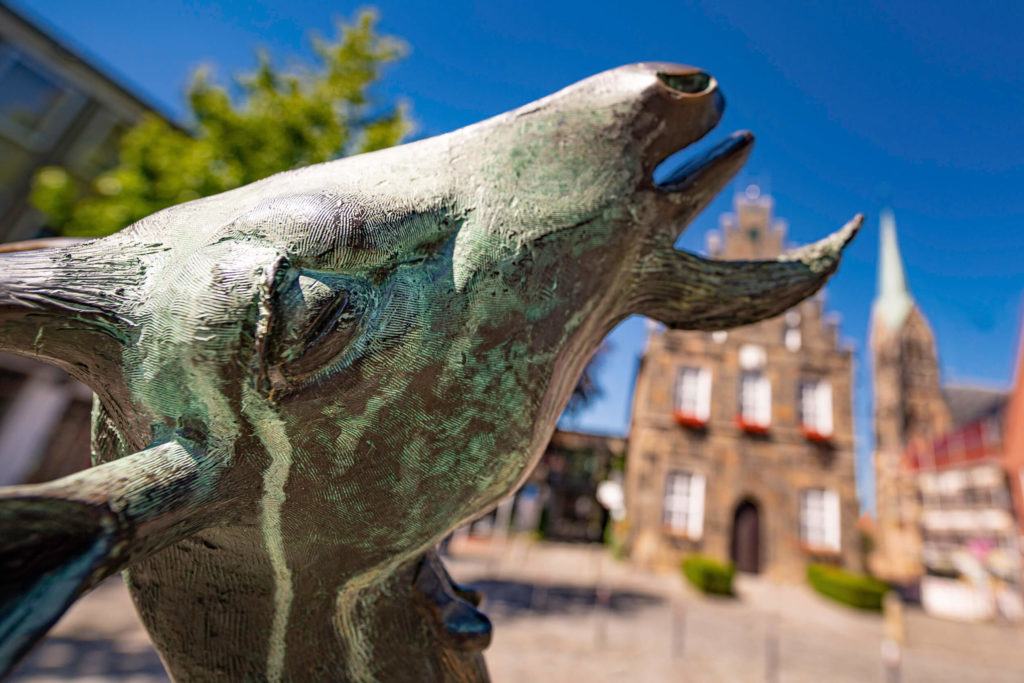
pixel 854 104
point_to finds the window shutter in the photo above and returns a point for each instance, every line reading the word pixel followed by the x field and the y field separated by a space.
pixel 824 408
pixel 695 518
pixel 764 399
pixel 704 395
pixel 831 519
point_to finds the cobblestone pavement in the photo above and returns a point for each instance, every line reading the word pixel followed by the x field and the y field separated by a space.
pixel 571 613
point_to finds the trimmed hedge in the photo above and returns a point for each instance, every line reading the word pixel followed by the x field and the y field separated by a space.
pixel 709 576
pixel 855 590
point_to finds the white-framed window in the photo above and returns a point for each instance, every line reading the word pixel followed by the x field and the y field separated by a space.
pixel 683 506
pixel 816 406
pixel 755 399
pixel 819 519
pixel 693 393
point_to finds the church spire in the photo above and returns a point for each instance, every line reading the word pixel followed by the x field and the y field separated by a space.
pixel 892 300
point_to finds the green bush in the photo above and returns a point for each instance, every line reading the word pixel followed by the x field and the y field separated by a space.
pixel 855 590
pixel 708 575
pixel 615 534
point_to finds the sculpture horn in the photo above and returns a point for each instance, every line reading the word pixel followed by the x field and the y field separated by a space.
pixel 67 305
pixel 686 291
pixel 64 537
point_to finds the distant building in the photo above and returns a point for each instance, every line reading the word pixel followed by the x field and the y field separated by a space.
pixel 741 444
pixel 559 500
pixel 55 109
pixel 946 522
pixel 567 478
pixel 969 535
pixel 909 405
pixel 44 422
pixel 1014 442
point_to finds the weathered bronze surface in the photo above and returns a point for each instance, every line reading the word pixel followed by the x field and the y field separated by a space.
pixel 304 383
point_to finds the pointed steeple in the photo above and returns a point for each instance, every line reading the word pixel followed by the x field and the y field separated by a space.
pixel 892 300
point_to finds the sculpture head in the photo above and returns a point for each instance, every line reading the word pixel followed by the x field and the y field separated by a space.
pixel 313 378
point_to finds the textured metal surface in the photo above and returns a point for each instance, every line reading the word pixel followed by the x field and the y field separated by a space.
pixel 304 383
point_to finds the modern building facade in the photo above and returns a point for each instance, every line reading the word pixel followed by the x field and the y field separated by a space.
pixel 55 109
pixel 741 445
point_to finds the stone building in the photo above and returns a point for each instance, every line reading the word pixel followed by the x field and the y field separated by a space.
pixel 909 405
pixel 741 445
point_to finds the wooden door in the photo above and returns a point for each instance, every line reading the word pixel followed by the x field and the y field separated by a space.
pixel 746 538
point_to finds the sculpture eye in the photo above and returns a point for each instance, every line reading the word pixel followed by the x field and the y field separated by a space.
pixel 314 319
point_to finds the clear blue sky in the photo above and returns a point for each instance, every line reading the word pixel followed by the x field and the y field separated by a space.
pixel 851 102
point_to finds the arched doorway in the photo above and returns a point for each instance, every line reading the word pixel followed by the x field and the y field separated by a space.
pixel 746 537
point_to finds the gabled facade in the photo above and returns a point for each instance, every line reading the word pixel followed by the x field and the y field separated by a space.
pixel 741 444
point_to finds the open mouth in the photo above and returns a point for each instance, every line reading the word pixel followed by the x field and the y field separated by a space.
pixel 713 168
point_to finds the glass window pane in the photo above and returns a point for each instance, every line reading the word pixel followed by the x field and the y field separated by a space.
pixel 27 96
pixel 755 398
pixel 676 505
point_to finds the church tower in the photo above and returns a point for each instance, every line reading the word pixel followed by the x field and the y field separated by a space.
pixel 908 406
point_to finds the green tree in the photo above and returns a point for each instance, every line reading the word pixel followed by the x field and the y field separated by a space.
pixel 270 121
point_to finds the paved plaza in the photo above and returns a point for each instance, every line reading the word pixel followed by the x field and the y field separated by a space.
pixel 572 613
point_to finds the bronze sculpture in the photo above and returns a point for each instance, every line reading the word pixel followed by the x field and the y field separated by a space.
pixel 304 383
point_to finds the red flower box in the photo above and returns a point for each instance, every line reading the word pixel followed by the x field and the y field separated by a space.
pixel 812 434
pixel 689 420
pixel 751 427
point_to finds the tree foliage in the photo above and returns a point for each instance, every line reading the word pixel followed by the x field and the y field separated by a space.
pixel 269 121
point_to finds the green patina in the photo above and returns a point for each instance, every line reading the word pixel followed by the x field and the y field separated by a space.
pixel 358 356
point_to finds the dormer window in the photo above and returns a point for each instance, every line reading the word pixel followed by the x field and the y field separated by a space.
pixel 816 409
pixel 693 397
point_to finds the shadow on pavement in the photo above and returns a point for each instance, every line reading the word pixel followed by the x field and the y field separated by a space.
pixel 515 598
pixel 71 658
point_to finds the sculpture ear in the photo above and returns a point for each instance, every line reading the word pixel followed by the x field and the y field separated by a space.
pixel 58 540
